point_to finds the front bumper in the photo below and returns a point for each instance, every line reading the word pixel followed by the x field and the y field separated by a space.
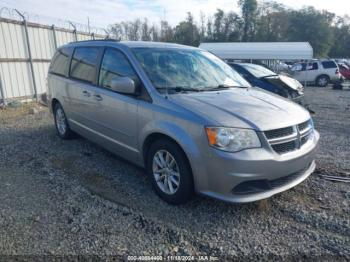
pixel 255 174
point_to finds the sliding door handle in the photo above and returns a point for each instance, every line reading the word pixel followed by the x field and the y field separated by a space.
pixel 86 93
pixel 98 97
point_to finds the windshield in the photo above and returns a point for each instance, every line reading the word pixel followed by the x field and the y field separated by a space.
pixel 258 71
pixel 190 70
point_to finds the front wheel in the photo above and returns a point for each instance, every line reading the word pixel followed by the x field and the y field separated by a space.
pixel 170 172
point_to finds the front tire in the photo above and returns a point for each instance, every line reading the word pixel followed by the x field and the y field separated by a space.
pixel 170 172
pixel 62 127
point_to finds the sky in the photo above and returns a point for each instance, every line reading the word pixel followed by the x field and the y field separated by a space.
pixel 102 13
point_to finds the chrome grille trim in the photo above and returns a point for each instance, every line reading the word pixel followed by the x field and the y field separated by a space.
pixel 304 125
pixel 281 132
pixel 293 139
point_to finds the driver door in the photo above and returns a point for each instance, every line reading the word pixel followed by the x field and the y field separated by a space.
pixel 116 115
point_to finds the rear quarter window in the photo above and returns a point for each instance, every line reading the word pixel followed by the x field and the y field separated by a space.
pixel 60 61
pixel 329 64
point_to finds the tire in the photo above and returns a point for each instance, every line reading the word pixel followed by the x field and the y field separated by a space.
pixel 62 127
pixel 322 81
pixel 182 192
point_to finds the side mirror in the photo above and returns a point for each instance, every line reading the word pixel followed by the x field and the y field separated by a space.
pixel 124 85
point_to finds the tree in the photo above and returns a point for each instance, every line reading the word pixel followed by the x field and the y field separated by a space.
pixel 341 29
pixel 116 31
pixel 146 31
pixel 202 27
pixel 272 22
pixel 186 32
pixel 248 8
pixel 166 32
pixel 209 30
pixel 312 26
pixel 267 21
pixel 218 21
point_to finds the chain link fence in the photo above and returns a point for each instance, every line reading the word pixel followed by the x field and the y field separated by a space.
pixel 27 44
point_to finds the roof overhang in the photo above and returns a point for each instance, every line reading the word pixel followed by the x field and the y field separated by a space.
pixel 260 50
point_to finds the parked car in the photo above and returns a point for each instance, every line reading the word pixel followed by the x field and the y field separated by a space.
pixel 320 73
pixel 344 70
pixel 185 116
pixel 264 78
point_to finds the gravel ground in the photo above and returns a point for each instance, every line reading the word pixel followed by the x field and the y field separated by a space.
pixel 74 198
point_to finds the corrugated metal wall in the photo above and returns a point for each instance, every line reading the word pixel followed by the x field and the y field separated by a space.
pixel 16 76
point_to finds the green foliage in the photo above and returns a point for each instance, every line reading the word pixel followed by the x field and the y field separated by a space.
pixel 187 32
pixel 261 21
pixel 313 26
pixel 249 8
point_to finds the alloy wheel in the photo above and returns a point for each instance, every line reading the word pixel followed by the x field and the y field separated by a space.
pixel 166 172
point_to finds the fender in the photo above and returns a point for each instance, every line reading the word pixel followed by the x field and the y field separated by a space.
pixel 173 131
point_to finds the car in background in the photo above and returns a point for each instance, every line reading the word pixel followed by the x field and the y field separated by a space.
pixel 344 70
pixel 316 72
pixel 264 78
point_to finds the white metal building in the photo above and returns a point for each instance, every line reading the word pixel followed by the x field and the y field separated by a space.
pixel 260 50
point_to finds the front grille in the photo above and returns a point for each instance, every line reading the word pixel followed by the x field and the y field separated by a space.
pixel 281 132
pixel 303 140
pixel 284 147
pixel 289 139
pixel 303 126
pixel 262 185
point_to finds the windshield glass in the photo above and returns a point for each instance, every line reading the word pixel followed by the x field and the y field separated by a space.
pixel 258 71
pixel 195 70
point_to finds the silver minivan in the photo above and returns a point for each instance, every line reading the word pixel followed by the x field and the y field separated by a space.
pixel 185 116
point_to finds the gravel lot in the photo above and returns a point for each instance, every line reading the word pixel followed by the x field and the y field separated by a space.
pixel 74 198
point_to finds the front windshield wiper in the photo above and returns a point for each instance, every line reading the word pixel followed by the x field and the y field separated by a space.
pixel 268 76
pixel 221 87
pixel 179 89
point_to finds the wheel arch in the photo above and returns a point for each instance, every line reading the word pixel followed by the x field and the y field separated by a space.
pixel 328 77
pixel 153 137
pixel 53 103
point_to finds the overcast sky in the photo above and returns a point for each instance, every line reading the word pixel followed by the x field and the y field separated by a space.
pixel 104 12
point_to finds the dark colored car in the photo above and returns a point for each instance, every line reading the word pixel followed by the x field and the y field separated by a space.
pixel 344 71
pixel 264 78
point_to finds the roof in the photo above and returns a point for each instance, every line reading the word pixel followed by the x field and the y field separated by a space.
pixel 131 44
pixel 260 50
pixel 154 44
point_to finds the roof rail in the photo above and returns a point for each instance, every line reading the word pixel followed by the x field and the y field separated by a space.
pixel 96 40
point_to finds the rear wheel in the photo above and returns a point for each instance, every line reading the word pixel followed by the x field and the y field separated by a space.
pixel 322 81
pixel 62 128
pixel 170 172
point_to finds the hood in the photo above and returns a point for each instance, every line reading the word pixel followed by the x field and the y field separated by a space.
pixel 291 82
pixel 243 108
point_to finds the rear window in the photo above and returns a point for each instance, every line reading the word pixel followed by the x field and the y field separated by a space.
pixel 329 64
pixel 60 61
pixel 83 66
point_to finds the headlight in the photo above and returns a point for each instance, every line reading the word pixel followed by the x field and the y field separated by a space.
pixel 232 139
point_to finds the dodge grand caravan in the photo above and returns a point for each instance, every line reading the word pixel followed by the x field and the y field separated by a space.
pixel 185 116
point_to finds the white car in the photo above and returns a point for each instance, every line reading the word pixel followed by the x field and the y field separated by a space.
pixel 320 73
